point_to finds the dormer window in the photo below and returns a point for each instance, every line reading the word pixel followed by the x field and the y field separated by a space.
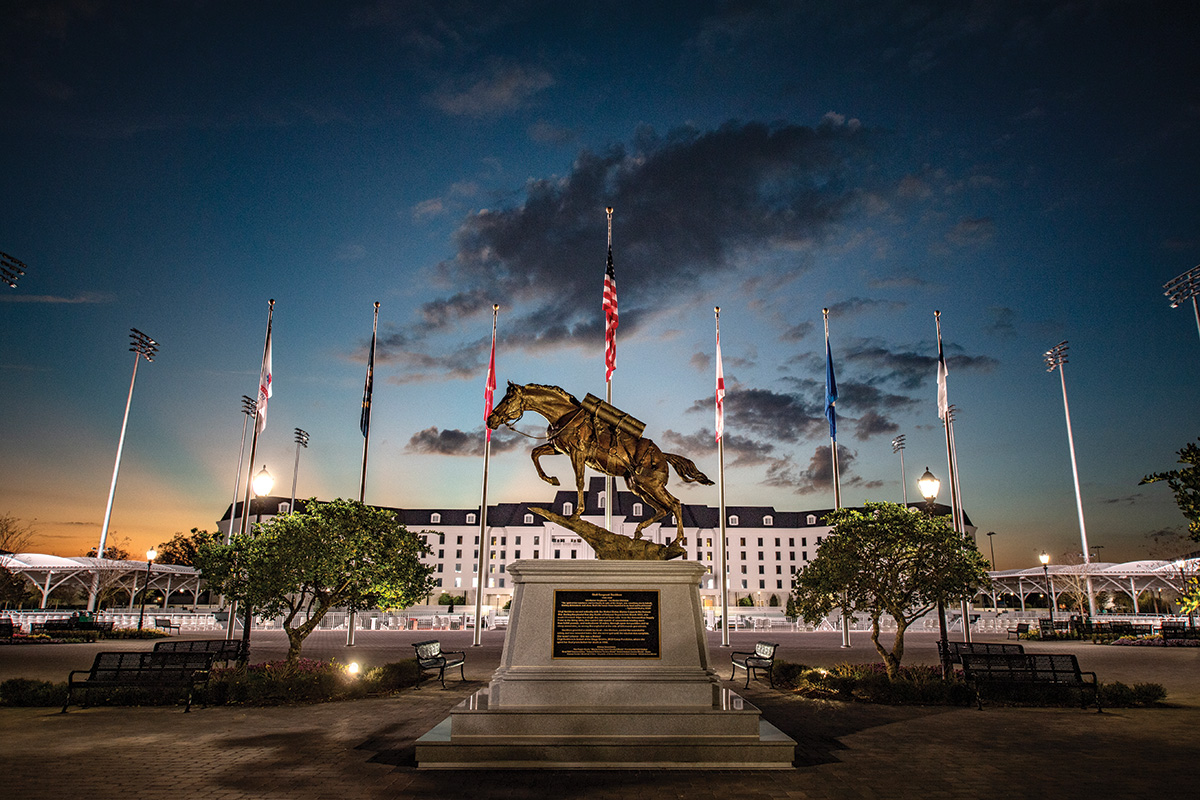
pixel 435 518
pixel 471 518
pixel 568 509
pixel 637 509
pixel 529 519
pixel 733 520
pixel 285 508
pixel 812 519
pixel 768 521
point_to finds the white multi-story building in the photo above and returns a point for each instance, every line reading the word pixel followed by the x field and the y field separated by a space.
pixel 765 546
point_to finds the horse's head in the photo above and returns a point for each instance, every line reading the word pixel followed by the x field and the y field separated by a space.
pixel 509 409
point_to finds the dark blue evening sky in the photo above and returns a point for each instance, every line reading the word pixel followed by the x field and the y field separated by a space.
pixel 1027 168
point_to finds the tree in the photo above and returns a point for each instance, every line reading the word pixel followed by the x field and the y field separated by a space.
pixel 889 560
pixel 181 549
pixel 1185 483
pixel 115 552
pixel 13 587
pixel 300 565
pixel 15 535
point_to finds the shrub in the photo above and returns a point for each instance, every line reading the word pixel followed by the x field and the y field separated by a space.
pixel 1120 695
pixel 392 677
pixel 28 692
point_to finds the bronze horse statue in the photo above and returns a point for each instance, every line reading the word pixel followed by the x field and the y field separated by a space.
pixel 597 440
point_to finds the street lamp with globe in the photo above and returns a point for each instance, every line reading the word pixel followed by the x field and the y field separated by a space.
pixel 151 554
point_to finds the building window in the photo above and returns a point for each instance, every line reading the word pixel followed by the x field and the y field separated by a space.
pixel 285 508
pixel 458 567
pixel 743 555
pixel 804 541
pixel 777 544
pixel 743 584
pixel 760 541
pixel 733 520
pixel 517 541
pixel 537 540
pixel 516 554
pixel 441 538
pixel 804 555
pixel 743 569
pixel 791 555
pixel 471 518
pixel 457 583
pixel 558 554
pixel 637 509
pixel 762 570
pixel 502 568
pixel 602 499
pixel 529 519
pixel 778 584
pixel 459 540
pixel 818 540
pixel 439 582
pixel 778 569
pixel 760 555
pixel 768 521
pixel 573 552
pixel 439 567
pixel 568 509
pixel 812 519
pixel 458 553
pixel 502 583
pixel 762 584
pixel 435 518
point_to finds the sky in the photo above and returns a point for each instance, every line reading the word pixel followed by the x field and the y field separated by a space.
pixel 1028 169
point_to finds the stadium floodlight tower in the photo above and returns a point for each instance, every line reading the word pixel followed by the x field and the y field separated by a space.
pixel 1185 287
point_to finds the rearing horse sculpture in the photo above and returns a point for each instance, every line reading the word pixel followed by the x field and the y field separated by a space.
pixel 590 441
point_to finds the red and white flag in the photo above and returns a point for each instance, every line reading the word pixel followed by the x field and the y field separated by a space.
pixel 489 390
pixel 720 390
pixel 264 385
pixel 610 319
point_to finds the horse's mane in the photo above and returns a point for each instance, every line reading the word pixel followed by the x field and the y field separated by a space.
pixel 561 392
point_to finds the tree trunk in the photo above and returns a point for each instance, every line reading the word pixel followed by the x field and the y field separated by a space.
pixel 890 661
pixel 298 634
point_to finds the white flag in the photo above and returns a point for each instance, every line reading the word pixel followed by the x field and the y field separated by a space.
pixel 943 402
pixel 720 391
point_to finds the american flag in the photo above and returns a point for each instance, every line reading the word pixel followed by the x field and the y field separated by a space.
pixel 490 389
pixel 364 422
pixel 942 399
pixel 720 390
pixel 264 384
pixel 610 318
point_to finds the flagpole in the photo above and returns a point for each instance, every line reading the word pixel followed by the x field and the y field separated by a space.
pixel 723 559
pixel 487 455
pixel 608 481
pixel 830 411
pixel 947 417
pixel 365 425
pixel 260 421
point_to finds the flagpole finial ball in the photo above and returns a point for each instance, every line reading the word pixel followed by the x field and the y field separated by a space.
pixel 825 311
pixel 376 304
pixel 608 210
pixel 937 313
pixel 495 306
pixel 717 309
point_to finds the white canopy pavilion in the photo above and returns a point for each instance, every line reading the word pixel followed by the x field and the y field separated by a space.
pixel 94 575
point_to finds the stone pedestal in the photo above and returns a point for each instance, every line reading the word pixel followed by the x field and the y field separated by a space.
pixel 605 666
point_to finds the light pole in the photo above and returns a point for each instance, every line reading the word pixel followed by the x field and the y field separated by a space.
pixel 262 485
pixel 1055 358
pixel 301 441
pixel 929 485
pixel 1045 559
pixel 142 346
pixel 1185 287
pixel 11 269
pixel 898 447
pixel 992 547
pixel 151 554
pixel 249 409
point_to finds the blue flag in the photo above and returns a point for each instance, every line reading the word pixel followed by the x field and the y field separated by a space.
pixel 831 393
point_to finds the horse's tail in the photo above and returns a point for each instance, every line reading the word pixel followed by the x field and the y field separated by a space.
pixel 687 469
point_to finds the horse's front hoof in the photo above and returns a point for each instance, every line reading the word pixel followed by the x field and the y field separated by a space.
pixel 551 481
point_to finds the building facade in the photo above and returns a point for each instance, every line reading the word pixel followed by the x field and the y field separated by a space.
pixel 765 547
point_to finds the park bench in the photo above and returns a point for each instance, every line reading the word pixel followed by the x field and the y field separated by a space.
pixel 165 624
pixel 431 656
pixel 68 625
pixel 1178 629
pixel 955 650
pixel 1021 629
pixel 223 650
pixel 762 657
pixel 8 628
pixel 141 669
pixel 1061 669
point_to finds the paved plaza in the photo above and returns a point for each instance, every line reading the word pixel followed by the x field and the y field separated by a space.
pixel 364 749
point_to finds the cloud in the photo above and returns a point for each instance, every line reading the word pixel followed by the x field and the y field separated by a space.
pixel 81 298
pixel 690 205
pixel 774 416
pixel 740 450
pixel 453 442
pixel 1002 322
pixel 972 232
pixel 872 424
pixel 908 368
pixel 818 476
pixel 858 305
pixel 797 332
pixel 549 133
pixel 505 88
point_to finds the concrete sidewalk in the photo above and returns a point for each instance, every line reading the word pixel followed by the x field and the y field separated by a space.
pixel 365 748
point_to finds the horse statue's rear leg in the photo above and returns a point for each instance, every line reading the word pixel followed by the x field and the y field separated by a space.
pixel 538 452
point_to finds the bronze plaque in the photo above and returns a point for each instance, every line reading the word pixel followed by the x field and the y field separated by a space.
pixel 606 623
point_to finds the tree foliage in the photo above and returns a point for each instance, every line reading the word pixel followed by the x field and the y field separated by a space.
pixel 181 549
pixel 890 560
pixel 301 565
pixel 13 587
pixel 116 551
pixel 1185 483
